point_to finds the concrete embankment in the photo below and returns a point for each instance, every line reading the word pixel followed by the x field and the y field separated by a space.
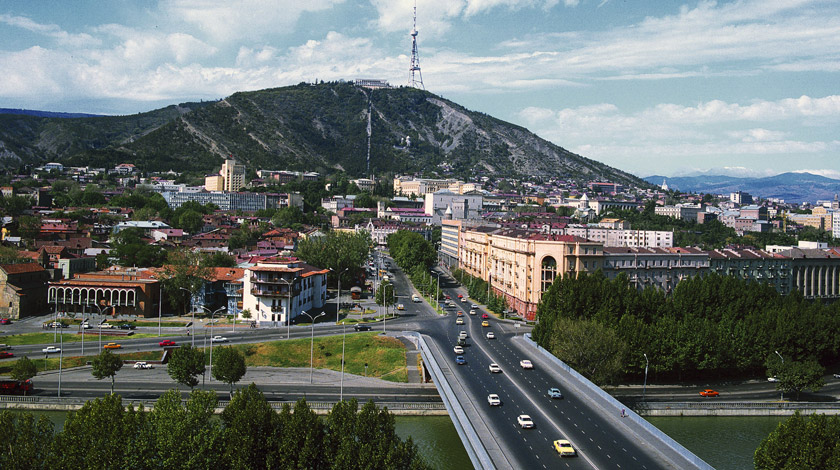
pixel 735 409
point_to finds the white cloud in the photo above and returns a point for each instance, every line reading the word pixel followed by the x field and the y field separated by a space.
pixel 62 37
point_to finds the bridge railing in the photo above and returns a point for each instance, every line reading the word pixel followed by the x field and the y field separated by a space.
pixel 611 405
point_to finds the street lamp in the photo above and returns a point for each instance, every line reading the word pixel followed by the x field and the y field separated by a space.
pixel 644 387
pixel 101 312
pixel 312 341
pixel 782 392
pixel 338 296
pixel 192 323
pixel 212 314
pixel 343 340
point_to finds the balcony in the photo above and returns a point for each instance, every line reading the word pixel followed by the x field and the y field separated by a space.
pixel 271 280
pixel 270 293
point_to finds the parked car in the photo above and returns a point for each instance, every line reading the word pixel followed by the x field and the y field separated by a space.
pixel 142 365
pixel 564 448
pixel 218 339
pixel 460 360
pixel 554 392
pixel 5 354
pixel 494 368
pixel 491 335
pixel 166 342
pixel 494 400
pixel 525 421
pixel 126 326
pixel 709 393
pixel 112 346
pixel 526 364
pixel 359 327
pixel 50 350
pixel 459 349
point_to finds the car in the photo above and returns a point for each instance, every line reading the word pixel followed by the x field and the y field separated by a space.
pixel 106 325
pixel 525 421
pixel 142 365
pixel 400 307
pixel 494 400
pixel 460 360
pixel 555 392
pixel 462 335
pixel 460 313
pixel 86 326
pixel 526 364
pixel 461 342
pixel 218 339
pixel 112 346
pixel 837 376
pixel 5 354
pixel 774 379
pixel 415 298
pixel 491 335
pixel 484 316
pixel 126 326
pixel 709 393
pixel 473 306
pixel 358 327
pixel 564 448
pixel 459 350
pixel 56 324
pixel 448 297
pixel 5 321
pixel 485 323
pixel 459 321
pixel 50 350
pixel 494 368
pixel 166 342
pixel 472 312
pixel 460 296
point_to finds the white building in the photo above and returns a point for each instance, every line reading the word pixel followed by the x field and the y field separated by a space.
pixel 462 206
pixel 277 292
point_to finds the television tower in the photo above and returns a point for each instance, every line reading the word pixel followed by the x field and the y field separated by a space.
pixel 415 81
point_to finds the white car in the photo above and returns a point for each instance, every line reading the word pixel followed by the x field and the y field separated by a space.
pixel 462 335
pixel 524 421
pixel 51 349
pixel 491 335
pixel 495 368
pixel 218 339
pixel 472 311
pixel 494 400
pixel 458 350
pixel 142 365
pixel 526 364
pixel 774 379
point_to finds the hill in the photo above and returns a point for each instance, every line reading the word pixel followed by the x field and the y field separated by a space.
pixel 791 187
pixel 304 127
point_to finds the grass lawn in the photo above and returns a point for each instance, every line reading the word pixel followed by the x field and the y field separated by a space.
pixel 90 336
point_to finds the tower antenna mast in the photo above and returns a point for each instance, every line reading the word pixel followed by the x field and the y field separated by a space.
pixel 415 81
pixel 370 109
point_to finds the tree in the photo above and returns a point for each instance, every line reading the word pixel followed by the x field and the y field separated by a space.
pixel 26 441
pixel 106 364
pixel 130 248
pixel 185 434
pixel 29 227
pixel 185 365
pixel 337 251
pixel 795 376
pixel 252 430
pixel 592 349
pixel 95 437
pixel 184 270
pixel 229 366
pixel 219 260
pixel 385 294
pixel 797 443
pixel 23 370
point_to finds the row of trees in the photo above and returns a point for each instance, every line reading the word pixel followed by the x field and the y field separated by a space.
pixel 415 255
pixel 709 327
pixel 479 290
pixel 178 434
pixel 800 443
pixel 339 252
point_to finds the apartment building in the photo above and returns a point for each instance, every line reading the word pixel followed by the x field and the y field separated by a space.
pixel 661 268
pixel 277 293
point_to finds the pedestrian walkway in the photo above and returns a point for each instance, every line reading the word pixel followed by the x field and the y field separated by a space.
pixel 411 361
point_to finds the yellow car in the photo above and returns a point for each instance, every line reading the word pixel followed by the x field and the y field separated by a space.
pixel 112 346
pixel 564 448
pixel 400 307
pixel 485 323
pixel 459 321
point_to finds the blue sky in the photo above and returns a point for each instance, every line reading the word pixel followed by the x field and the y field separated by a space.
pixel 746 87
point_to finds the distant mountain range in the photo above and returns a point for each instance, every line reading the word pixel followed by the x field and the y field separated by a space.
pixel 792 187
pixel 321 128
pixel 47 114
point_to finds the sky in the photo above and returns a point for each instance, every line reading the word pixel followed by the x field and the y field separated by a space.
pixel 665 87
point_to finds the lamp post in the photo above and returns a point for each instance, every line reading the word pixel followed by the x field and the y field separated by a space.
pixel 343 339
pixel 338 296
pixel 212 314
pixel 312 341
pixel 644 387
pixel 60 356
pixel 101 312
pixel 192 323
pixel 782 392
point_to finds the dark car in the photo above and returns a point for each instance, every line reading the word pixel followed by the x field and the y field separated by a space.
pixel 362 327
pixel 460 360
pixel 127 326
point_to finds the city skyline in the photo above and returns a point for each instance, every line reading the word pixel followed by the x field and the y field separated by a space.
pixel 743 87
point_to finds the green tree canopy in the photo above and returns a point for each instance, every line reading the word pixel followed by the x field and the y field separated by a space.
pixel 228 366
pixel 24 369
pixel 106 364
pixel 185 365
pixel 337 251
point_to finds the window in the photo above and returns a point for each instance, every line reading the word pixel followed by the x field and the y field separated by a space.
pixel 548 273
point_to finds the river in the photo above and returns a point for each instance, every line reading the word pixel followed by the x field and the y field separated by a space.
pixel 726 443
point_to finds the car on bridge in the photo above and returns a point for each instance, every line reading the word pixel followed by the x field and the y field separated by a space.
pixel 491 335
pixel 525 421
pixel 459 321
pixel 709 393
pixel 358 327
pixel 564 448
pixel 166 342
pixel 485 323
pixel 459 349
pixel 526 364
pixel 494 400
pixel 555 392
pixel 112 346
pixel 494 368
pixel 460 360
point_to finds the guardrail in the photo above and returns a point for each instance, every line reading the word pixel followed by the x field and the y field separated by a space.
pixel 611 405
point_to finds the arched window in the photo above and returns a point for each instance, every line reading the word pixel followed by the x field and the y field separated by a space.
pixel 548 273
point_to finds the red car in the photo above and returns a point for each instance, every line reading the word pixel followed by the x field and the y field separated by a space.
pixel 484 316
pixel 5 321
pixel 5 354
pixel 709 393
pixel 460 296
pixel 448 298
pixel 166 342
